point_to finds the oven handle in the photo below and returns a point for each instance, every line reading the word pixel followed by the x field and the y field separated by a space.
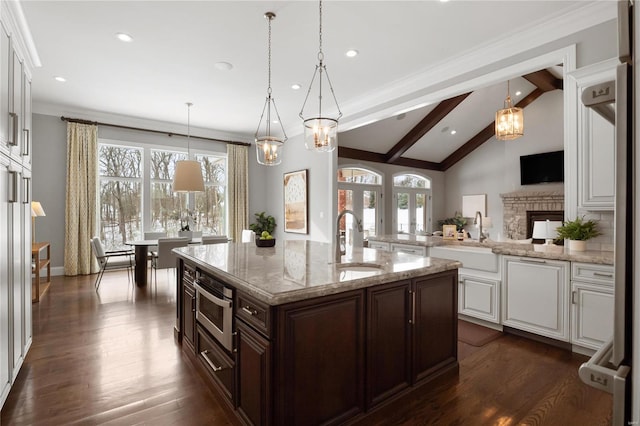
pixel 218 301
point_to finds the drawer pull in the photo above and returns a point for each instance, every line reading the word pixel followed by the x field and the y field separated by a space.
pixel 529 260
pixel 250 311
pixel 211 364
pixel 601 274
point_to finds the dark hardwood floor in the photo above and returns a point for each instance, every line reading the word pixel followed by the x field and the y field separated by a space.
pixel 111 358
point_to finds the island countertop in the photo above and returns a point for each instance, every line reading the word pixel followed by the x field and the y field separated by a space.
pixel 299 269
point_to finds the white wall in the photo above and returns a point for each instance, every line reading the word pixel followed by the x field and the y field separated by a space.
pixel 494 168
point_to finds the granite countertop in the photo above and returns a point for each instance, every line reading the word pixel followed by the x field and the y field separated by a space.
pixel 513 249
pixel 300 269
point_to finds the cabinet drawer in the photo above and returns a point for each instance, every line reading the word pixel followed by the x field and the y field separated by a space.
pixel 254 312
pixel 378 245
pixel 593 273
pixel 189 273
pixel 407 248
pixel 217 363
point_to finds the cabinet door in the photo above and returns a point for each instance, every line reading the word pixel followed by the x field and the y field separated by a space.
pixel 535 296
pixel 598 162
pixel 26 127
pixel 5 320
pixel 254 376
pixel 479 298
pixel 592 315
pixel 435 331
pixel 189 314
pixel 388 340
pixel 15 107
pixel 320 348
pixel 5 60
pixel 16 292
pixel 25 259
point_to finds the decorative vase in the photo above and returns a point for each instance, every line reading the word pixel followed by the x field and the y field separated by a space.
pixel 577 245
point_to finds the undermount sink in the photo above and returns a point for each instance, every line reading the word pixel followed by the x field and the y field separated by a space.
pixel 358 266
pixel 481 258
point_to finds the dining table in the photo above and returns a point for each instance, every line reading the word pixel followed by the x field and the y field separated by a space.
pixel 141 250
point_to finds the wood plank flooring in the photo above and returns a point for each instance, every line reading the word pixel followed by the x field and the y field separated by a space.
pixel 110 358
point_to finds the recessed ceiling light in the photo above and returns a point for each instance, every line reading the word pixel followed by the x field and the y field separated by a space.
pixel 60 79
pixel 518 93
pixel 275 121
pixel 453 132
pixel 352 53
pixel 296 86
pixel 124 37
pixel 223 66
pixel 443 1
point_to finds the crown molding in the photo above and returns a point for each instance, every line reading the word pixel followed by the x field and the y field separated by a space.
pixel 13 17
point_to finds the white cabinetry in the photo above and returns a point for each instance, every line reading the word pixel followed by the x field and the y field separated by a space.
pixel 535 296
pixel 15 201
pixel 408 248
pixel 379 245
pixel 596 143
pixel 479 297
pixel 592 304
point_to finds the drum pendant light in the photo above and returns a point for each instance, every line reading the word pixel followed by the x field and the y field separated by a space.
pixel 188 173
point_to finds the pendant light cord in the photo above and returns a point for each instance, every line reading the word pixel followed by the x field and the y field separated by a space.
pixel 320 54
pixel 189 104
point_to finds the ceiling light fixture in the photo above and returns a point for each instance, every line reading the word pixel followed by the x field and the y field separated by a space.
pixel 320 133
pixel 124 37
pixel 223 66
pixel 352 53
pixel 509 122
pixel 188 173
pixel 518 93
pixel 60 79
pixel 296 86
pixel 268 147
pixel 453 132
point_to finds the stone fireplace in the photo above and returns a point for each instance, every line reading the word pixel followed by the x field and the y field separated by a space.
pixel 522 208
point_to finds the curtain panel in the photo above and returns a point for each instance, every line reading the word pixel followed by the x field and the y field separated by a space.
pixel 238 190
pixel 81 198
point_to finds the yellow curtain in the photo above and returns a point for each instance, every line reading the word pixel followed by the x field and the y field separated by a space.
pixel 238 190
pixel 81 200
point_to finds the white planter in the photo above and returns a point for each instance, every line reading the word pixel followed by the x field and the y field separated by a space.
pixel 576 245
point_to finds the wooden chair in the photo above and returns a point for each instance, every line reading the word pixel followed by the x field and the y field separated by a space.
pixel 110 260
pixel 164 258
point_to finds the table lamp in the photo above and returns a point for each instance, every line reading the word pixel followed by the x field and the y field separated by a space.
pixel 36 210
pixel 546 230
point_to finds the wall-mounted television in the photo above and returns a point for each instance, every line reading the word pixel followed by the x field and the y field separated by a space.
pixel 542 168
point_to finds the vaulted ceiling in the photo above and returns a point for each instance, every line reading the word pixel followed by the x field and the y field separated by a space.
pixel 178 48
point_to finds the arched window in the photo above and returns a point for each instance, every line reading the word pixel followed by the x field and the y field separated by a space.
pixel 412 197
pixel 359 190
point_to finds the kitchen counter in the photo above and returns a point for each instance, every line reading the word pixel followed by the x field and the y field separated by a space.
pixel 298 270
pixel 513 249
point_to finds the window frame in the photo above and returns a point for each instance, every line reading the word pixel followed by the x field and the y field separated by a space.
pixel 412 191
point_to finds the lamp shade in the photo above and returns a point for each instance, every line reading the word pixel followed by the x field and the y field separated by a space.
pixel 546 230
pixel 36 209
pixel 188 177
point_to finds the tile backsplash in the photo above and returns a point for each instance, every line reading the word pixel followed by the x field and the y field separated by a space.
pixel 605 222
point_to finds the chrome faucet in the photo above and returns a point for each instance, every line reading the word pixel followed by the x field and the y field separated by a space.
pixel 339 250
pixel 481 236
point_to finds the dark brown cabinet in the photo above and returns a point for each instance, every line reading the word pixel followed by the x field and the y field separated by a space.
pixel 189 309
pixel 219 365
pixel 254 378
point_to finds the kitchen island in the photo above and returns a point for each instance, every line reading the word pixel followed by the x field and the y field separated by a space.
pixel 315 341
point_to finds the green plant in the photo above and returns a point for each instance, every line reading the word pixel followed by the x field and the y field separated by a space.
pixel 578 229
pixel 263 222
pixel 456 220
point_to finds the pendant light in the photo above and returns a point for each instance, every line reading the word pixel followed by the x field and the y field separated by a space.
pixel 188 173
pixel 269 147
pixel 320 132
pixel 509 120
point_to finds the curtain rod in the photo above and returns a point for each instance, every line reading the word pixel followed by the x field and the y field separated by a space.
pixel 140 129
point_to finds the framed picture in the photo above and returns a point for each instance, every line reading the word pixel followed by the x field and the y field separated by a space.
pixel 295 202
pixel 449 232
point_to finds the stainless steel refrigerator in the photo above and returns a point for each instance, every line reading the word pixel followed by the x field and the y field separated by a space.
pixel 610 368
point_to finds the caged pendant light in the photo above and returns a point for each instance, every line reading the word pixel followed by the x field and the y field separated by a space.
pixel 188 174
pixel 269 147
pixel 320 132
pixel 509 120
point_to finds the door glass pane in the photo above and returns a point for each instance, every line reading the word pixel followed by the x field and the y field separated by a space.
pixel 402 212
pixel 120 212
pixel 369 219
pixel 421 216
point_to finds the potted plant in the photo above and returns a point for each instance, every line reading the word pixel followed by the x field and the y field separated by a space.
pixel 456 220
pixel 578 231
pixel 264 226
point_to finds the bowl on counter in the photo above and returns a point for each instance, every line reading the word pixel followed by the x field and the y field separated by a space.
pixel 265 243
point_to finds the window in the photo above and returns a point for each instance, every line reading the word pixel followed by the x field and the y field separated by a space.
pixel 136 193
pixel 412 195
pixel 359 190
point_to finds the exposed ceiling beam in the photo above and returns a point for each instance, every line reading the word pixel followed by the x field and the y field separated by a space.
pixel 374 157
pixel 544 80
pixel 484 135
pixel 426 124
